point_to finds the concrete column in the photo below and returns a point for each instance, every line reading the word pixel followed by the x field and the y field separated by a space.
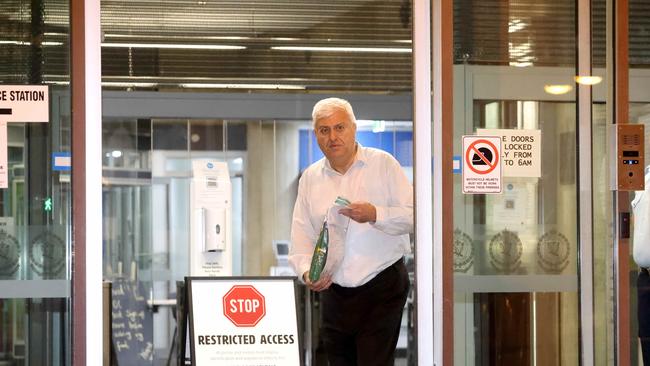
pixel 270 187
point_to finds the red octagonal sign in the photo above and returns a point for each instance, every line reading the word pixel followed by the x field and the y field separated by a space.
pixel 244 306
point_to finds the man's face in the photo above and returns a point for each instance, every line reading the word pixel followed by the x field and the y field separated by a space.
pixel 336 137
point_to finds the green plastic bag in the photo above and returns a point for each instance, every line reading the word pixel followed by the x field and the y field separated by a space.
pixel 319 258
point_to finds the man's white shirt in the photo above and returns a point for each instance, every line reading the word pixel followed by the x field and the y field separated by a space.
pixel 641 211
pixel 374 177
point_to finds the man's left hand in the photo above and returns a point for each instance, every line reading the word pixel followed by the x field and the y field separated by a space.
pixel 360 212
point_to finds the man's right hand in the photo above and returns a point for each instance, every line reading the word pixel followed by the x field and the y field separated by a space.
pixel 323 282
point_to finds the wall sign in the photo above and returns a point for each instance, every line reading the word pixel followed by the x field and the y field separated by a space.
pixel 521 151
pixel 4 168
pixel 243 321
pixel 481 164
pixel 20 103
pixel 61 161
pixel 24 103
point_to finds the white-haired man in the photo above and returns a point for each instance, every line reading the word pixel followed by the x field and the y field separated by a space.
pixel 364 295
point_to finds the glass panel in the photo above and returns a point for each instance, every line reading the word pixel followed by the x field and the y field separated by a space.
pixel 147 198
pixel 639 280
pixel 35 230
pixel 280 54
pixel 515 252
pixel 603 237
pixel 639 111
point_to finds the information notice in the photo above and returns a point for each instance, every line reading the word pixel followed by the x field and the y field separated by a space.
pixel 520 151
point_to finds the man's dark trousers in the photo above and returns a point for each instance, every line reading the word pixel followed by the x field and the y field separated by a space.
pixel 361 324
pixel 643 313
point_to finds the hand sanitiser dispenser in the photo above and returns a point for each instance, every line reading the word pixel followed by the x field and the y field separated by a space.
pixel 215 229
pixel 211 207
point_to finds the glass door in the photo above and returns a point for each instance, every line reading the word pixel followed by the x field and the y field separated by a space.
pixel 35 205
pixel 639 113
pixel 516 288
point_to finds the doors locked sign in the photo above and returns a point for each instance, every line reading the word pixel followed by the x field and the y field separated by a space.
pixel 482 164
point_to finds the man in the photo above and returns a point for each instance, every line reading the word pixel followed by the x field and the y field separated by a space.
pixel 641 252
pixel 364 295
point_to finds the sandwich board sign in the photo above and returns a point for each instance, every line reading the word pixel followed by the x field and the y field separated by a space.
pixel 239 321
pixel 20 103
pixel 481 164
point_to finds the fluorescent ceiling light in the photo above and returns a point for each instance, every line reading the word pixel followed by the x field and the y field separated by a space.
pixel 588 80
pixel 168 37
pixel 516 25
pixel 129 84
pixel 22 43
pixel 379 126
pixel 174 46
pixel 557 89
pixel 243 86
pixel 342 49
pixel 136 84
pixel 367 124
pixel 521 64
pixel 56 82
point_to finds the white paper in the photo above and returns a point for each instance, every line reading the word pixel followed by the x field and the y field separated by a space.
pixel 4 172
pixel 521 151
pixel 337 225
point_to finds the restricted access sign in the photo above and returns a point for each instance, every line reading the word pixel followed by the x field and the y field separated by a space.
pixel 482 164
pixel 243 321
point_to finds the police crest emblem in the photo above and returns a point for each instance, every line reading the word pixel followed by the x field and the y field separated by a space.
pixel 505 251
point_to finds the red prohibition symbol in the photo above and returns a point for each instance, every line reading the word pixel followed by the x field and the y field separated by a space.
pixel 489 162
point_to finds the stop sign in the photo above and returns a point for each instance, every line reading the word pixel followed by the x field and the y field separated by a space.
pixel 244 306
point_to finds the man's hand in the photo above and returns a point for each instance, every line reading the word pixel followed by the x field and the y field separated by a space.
pixel 323 282
pixel 360 212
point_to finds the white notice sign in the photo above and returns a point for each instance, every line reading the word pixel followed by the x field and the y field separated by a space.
pixel 481 164
pixel 243 321
pixel 24 103
pixel 4 172
pixel 211 220
pixel 521 151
